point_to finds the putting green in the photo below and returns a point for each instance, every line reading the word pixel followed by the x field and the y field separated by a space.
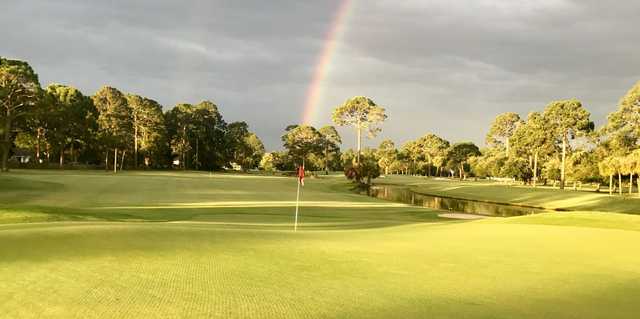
pixel 160 246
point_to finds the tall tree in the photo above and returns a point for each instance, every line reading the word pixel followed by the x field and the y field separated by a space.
pixel 151 132
pixel 534 139
pixel 634 158
pixel 115 123
pixel 502 128
pixel 460 153
pixel 301 141
pixel 622 131
pixel 609 167
pixel 209 135
pixel 71 118
pixel 19 93
pixel 179 126
pixel 136 103
pixel 566 120
pixel 433 147
pixel 361 113
pixel 387 154
pixel 413 150
pixel 246 148
pixel 330 143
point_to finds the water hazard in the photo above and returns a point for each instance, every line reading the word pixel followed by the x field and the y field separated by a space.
pixel 404 195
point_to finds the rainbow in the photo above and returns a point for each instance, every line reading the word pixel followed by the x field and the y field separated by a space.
pixel 314 90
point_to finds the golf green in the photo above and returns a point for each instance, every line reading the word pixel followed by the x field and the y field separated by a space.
pixel 167 245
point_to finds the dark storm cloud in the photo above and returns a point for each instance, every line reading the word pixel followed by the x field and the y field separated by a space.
pixel 441 66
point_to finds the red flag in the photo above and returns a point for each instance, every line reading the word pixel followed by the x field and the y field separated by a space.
pixel 301 175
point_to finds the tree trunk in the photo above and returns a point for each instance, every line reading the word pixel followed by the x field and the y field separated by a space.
pixel 198 155
pixel 638 182
pixel 6 143
pixel 62 158
pixel 610 184
pixel 122 161
pixel 564 157
pixel 326 160
pixel 620 182
pixel 461 171
pixel 630 183
pixel 115 160
pixel 106 161
pixel 184 161
pixel 535 169
pixel 38 146
pixel 135 140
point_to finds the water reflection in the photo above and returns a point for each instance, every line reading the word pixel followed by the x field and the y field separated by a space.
pixel 404 195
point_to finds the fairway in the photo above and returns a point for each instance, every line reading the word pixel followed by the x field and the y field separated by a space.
pixel 160 245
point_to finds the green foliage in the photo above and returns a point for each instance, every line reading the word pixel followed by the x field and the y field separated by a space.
pixel 330 141
pixel 583 166
pixel 198 135
pixel 150 133
pixel 348 158
pixel 267 162
pixel 517 168
pixel 364 171
pixel 488 164
pixel 387 154
pixel 460 153
pixel 19 94
pixel 551 169
pixel 501 130
pixel 434 148
pixel 302 141
pixel 361 113
pixel 245 147
pixel 622 131
pixel 567 119
pixel 70 120
pixel 115 119
pixel 534 137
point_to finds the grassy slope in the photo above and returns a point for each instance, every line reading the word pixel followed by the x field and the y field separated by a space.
pixel 524 267
pixel 544 197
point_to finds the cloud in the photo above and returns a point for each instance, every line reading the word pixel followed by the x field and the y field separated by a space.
pixel 438 66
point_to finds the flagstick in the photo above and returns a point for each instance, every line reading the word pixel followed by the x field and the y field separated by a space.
pixel 295 225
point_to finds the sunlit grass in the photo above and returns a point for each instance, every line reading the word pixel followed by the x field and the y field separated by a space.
pixel 222 247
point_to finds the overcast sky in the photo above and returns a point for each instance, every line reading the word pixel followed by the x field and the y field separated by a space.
pixel 446 67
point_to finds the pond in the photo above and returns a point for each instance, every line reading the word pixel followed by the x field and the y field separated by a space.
pixel 455 205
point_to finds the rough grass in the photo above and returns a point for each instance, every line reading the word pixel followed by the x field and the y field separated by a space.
pixel 364 259
pixel 542 197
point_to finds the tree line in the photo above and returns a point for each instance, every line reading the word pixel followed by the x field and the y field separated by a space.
pixel 113 129
pixel 116 130
pixel 557 145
